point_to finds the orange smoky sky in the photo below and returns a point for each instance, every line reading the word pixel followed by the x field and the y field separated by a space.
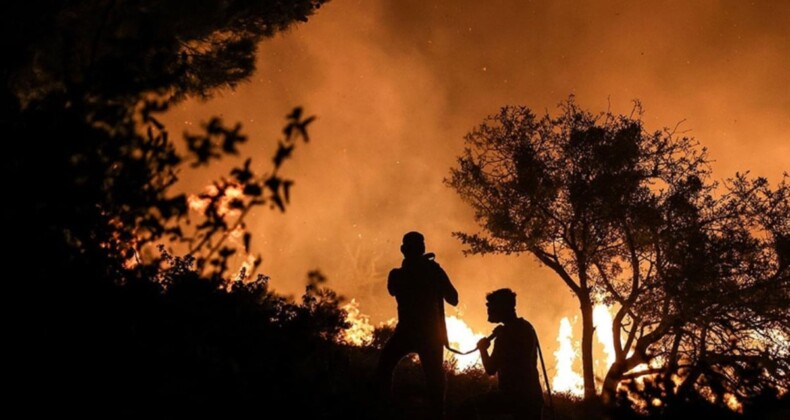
pixel 396 85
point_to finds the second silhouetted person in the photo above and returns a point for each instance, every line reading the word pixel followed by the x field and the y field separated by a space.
pixel 514 361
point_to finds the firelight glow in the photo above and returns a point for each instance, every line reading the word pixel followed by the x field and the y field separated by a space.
pixel 393 109
pixel 360 333
pixel 232 192
pixel 566 379
pixel 462 337
pixel 602 319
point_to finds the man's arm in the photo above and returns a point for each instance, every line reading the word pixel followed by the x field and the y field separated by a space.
pixel 393 282
pixel 489 362
pixel 448 291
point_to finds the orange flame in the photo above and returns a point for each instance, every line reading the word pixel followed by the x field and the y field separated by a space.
pixel 602 320
pixel 360 333
pixel 566 379
pixel 462 337
pixel 733 403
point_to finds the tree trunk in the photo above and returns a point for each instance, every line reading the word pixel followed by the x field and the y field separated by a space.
pixel 614 376
pixel 611 381
pixel 587 341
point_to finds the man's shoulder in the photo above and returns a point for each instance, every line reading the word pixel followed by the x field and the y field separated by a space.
pixel 523 323
pixel 526 328
pixel 432 264
pixel 427 263
pixel 521 327
pixel 436 272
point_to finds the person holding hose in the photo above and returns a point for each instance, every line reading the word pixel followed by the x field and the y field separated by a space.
pixel 513 360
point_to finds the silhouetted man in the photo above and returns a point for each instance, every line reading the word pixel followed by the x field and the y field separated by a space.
pixel 514 361
pixel 420 287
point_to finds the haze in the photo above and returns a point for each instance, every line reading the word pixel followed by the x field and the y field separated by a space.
pixel 396 85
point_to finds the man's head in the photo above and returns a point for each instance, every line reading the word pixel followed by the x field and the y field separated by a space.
pixel 413 245
pixel 501 305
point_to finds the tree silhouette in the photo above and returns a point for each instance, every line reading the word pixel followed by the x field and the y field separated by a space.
pixel 84 82
pixel 561 189
pixel 106 308
pixel 624 217
pixel 115 52
pixel 721 332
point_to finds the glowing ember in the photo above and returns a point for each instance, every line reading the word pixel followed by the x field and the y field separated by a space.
pixel 566 379
pixel 462 338
pixel 733 403
pixel 360 333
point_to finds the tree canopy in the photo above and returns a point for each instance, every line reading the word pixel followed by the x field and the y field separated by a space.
pixel 630 218
pixel 111 314
pixel 120 51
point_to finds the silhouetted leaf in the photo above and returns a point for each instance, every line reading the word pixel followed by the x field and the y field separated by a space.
pixel 233 137
pixel 246 240
pixel 295 114
pixel 226 252
pixel 253 190
pixel 214 126
pixel 243 174
pixel 279 202
pixel 287 190
pixel 303 128
pixel 283 152
pixel 202 148
pixel 273 184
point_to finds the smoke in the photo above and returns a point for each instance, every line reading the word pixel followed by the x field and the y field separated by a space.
pixel 396 85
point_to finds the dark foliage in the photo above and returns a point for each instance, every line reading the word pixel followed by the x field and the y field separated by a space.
pixel 123 302
pixel 631 218
pixel 107 319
